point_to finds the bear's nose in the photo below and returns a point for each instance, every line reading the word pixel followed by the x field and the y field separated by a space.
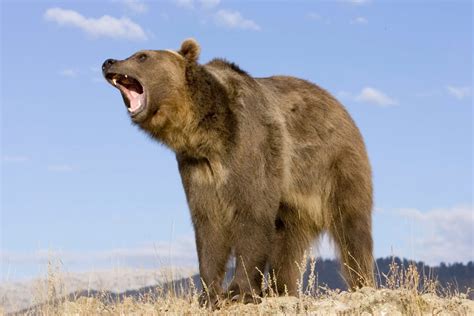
pixel 106 65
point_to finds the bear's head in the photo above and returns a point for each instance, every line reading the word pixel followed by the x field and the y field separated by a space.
pixel 153 86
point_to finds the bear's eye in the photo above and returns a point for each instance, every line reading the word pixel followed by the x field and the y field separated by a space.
pixel 142 57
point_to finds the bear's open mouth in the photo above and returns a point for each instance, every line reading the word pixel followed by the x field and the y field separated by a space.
pixel 131 89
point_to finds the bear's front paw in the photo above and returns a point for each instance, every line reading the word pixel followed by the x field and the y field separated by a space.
pixel 246 298
pixel 210 301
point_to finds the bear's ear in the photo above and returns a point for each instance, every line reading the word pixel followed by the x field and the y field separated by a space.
pixel 190 50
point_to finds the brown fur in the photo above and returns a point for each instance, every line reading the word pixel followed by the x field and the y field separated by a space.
pixel 267 164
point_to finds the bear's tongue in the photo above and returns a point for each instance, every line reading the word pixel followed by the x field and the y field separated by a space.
pixel 133 90
pixel 136 100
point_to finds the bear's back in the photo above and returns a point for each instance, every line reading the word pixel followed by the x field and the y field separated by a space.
pixel 310 113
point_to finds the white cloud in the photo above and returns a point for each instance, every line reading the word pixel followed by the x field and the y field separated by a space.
pixel 442 234
pixel 226 18
pixel 105 26
pixel 459 92
pixel 359 20
pixel 374 96
pixel 136 6
pixel 235 20
pixel 68 72
pixel 61 168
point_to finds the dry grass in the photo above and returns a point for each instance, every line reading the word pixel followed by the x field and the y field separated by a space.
pixel 406 293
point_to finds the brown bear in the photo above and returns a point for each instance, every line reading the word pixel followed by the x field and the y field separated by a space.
pixel 267 164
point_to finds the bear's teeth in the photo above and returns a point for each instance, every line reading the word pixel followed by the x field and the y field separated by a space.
pixel 126 76
pixel 129 110
pixel 139 103
pixel 115 81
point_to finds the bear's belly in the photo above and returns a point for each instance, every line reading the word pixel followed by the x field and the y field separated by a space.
pixel 308 207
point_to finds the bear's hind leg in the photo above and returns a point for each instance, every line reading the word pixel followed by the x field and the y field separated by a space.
pixel 351 222
pixel 354 243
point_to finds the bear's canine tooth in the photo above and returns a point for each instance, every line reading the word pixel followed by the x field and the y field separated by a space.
pixel 115 81
pixel 126 76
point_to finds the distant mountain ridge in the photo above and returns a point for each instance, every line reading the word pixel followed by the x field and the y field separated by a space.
pixel 451 277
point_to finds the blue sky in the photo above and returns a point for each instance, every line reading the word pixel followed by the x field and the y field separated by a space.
pixel 81 183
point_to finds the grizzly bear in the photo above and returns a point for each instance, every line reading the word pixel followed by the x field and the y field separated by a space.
pixel 267 165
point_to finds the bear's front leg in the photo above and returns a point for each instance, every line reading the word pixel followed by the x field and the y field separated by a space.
pixel 252 239
pixel 213 252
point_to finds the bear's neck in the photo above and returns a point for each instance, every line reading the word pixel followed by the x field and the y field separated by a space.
pixel 214 122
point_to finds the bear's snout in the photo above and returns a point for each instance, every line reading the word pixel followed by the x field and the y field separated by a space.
pixel 106 65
